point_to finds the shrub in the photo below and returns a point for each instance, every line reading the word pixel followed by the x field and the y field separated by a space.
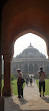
pixel 12 77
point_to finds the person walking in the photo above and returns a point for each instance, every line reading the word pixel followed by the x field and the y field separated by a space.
pixel 31 81
pixel 27 80
pixel 41 75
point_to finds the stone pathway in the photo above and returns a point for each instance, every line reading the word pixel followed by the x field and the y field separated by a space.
pixel 30 102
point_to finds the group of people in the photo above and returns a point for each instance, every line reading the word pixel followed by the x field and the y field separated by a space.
pixel 20 81
pixel 29 80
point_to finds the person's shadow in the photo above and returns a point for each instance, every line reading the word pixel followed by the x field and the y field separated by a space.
pixel 22 101
pixel 46 99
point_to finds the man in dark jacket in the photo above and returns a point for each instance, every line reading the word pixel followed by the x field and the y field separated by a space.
pixel 20 82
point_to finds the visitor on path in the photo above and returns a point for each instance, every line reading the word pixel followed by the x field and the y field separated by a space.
pixel 27 80
pixel 41 75
pixel 20 82
pixel 31 81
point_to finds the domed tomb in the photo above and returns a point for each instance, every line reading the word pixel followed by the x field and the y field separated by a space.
pixel 29 62
pixel 30 52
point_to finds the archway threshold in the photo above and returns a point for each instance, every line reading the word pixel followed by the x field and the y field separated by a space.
pixel 30 102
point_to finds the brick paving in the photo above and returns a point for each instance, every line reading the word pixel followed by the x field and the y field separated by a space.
pixel 31 101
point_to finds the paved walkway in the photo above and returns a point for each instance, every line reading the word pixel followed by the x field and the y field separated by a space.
pixel 30 102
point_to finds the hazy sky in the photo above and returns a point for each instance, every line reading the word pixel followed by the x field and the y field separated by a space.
pixel 25 40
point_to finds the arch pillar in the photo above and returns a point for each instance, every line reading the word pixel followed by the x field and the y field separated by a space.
pixel 0 73
pixel 0 66
pixel 7 81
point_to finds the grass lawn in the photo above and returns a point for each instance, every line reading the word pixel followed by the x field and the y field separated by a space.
pixel 46 86
pixel 14 86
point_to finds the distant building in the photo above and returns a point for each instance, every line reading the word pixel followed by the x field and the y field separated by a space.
pixel 29 62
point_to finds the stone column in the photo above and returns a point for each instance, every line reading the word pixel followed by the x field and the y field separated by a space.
pixel 0 64
pixel 7 81
pixel 0 73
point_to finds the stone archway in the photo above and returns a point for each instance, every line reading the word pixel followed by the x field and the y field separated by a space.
pixel 20 17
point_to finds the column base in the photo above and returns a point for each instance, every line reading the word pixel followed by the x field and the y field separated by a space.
pixel 6 92
pixel 1 103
